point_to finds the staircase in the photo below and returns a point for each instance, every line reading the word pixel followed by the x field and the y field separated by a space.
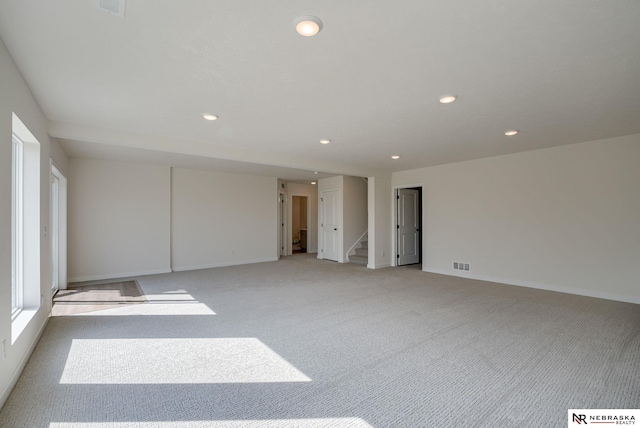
pixel 361 256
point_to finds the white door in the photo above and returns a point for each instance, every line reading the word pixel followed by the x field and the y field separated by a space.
pixel 408 211
pixel 329 225
pixel 55 232
pixel 58 230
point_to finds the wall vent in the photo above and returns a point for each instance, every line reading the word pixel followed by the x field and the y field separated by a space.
pixel 114 7
pixel 466 267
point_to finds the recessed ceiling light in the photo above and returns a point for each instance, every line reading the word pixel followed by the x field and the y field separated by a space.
pixel 308 26
pixel 395 157
pixel 511 132
pixel 449 98
pixel 210 116
pixel 313 182
pixel 315 172
pixel 325 141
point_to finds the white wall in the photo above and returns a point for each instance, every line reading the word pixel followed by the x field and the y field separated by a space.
pixel 118 219
pixel 311 192
pixel 60 158
pixel 128 219
pixel 564 218
pixel 222 219
pixel 380 203
pixel 355 215
pixel 17 98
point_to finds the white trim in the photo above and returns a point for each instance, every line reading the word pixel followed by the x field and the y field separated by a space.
pixel 225 264
pixel 547 287
pixel 117 275
pixel 23 362
pixel 17 225
pixel 383 265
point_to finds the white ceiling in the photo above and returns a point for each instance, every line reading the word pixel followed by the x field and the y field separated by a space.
pixel 560 71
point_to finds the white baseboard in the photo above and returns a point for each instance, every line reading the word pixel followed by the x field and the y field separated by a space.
pixel 21 365
pixel 380 266
pixel 117 275
pixel 223 264
pixel 559 289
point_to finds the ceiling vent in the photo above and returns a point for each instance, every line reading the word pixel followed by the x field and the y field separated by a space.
pixel 114 7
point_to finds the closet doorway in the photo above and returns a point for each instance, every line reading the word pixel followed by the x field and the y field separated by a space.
pixel 282 221
pixel 299 223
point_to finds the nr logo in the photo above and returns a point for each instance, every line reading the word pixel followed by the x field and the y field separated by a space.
pixel 580 419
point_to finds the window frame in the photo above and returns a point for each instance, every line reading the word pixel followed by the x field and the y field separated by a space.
pixel 17 226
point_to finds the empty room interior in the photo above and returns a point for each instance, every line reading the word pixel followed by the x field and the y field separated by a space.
pixel 318 213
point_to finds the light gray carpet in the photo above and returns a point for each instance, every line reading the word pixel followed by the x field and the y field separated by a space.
pixel 309 343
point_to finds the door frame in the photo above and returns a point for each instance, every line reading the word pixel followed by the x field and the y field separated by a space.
pixel 282 224
pixel 394 204
pixel 61 229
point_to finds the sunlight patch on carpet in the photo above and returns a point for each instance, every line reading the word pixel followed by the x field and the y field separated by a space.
pixel 171 361
pixel 266 423
pixel 177 302
pixel 155 308
pixel 82 299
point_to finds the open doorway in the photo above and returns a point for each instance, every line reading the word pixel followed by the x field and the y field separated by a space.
pixel 299 223
pixel 408 211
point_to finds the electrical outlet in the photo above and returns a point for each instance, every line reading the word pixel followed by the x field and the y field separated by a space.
pixel 4 349
pixel 383 254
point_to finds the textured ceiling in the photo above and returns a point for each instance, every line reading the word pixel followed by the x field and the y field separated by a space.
pixel 561 72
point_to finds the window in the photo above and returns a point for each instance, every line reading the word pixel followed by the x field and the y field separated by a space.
pixel 25 227
pixel 17 226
